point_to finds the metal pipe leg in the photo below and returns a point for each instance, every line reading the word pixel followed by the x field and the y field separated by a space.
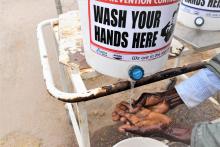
pixel 68 106
pixel 79 86
pixel 172 82
pixel 80 128
pixel 58 7
pixel 75 124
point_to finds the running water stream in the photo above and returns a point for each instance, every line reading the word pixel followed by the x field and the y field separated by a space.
pixel 131 96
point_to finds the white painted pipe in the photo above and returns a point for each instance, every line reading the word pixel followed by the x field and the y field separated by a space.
pixel 47 75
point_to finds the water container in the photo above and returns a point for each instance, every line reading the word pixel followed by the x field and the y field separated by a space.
pixel 140 142
pixel 200 14
pixel 127 38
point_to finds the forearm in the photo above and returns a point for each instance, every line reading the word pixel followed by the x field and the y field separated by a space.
pixel 199 87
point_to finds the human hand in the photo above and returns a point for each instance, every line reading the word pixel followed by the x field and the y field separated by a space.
pixel 140 120
pixel 166 100
pixel 145 122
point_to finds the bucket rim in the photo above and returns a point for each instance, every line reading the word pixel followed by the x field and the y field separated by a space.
pixel 142 138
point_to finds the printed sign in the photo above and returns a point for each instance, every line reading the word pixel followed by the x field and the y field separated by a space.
pixel 132 30
pixel 209 8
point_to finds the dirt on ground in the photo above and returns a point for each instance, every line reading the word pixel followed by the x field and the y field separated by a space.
pixel 16 139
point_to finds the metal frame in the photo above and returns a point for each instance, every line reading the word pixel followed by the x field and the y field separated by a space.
pixel 101 91
pixel 47 74
pixel 59 7
pixel 78 117
pixel 77 112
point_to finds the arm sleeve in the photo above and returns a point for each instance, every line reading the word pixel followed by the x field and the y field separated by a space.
pixel 206 135
pixel 199 87
pixel 214 65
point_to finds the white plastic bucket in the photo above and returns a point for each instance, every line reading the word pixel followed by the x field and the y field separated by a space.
pixel 125 38
pixel 140 142
pixel 200 14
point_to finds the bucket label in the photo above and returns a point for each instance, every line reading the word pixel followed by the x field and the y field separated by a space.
pixel 132 30
pixel 209 8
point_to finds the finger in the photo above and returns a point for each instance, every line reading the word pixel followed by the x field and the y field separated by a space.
pixel 133 102
pixel 160 108
pixel 135 110
pixel 121 109
pixel 143 113
pixel 124 127
pixel 123 119
pixel 119 112
pixel 123 106
pixel 171 97
pixel 115 117
pixel 130 108
pixel 173 105
pixel 177 98
pixel 141 99
pixel 133 119
pixel 132 129
pixel 147 123
pixel 153 100
pixel 147 99
pixel 160 117
pixel 174 102
pixel 128 123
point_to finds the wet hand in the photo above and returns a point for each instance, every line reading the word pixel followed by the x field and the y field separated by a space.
pixel 140 120
pixel 170 99
pixel 147 121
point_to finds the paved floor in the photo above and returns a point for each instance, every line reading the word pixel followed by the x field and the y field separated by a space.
pixel 26 109
pixel 29 117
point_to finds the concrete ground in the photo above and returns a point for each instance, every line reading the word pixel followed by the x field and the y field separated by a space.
pixel 29 117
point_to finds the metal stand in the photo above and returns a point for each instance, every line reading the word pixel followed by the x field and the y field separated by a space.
pixel 58 7
pixel 77 111
pixel 79 116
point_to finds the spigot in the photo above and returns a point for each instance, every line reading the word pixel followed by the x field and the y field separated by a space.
pixel 136 72
pixel 199 21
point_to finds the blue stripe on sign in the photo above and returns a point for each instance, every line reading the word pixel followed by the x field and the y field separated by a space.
pixel 200 8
